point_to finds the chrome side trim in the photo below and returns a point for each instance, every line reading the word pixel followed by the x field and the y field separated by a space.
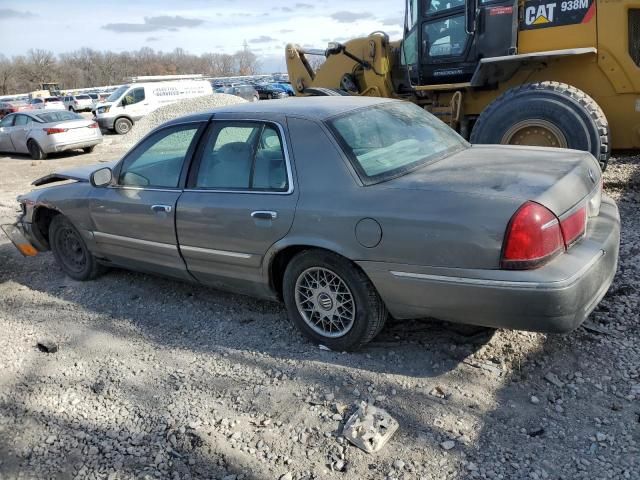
pixel 221 253
pixel 503 283
pixel 136 241
pixel 145 189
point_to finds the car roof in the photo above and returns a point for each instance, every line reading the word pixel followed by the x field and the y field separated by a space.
pixel 313 108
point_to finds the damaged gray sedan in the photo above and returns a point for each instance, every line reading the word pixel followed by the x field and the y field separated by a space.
pixel 347 209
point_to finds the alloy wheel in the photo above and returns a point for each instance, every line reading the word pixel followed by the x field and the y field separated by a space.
pixel 325 302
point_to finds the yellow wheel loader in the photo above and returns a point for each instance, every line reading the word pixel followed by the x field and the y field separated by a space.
pixel 556 73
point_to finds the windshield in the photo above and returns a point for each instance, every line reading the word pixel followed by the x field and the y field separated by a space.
pixel 118 93
pixel 60 116
pixel 393 138
pixel 83 97
pixel 51 99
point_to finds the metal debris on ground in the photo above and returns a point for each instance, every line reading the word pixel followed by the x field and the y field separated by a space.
pixel 369 428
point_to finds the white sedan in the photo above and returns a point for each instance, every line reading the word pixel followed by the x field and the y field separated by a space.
pixel 39 133
pixel 48 103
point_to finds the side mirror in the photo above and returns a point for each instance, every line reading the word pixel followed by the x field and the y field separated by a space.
pixel 123 102
pixel 101 178
pixel 471 9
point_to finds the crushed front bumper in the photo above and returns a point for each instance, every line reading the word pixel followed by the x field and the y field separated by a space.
pixel 19 237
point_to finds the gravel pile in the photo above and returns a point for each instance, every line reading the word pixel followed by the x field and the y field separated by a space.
pixel 142 377
pixel 175 110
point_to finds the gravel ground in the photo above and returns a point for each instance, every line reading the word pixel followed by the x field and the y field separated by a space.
pixel 157 379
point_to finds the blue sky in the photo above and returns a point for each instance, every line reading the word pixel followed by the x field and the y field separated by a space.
pixel 195 25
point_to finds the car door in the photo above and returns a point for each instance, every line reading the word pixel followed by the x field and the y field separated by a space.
pixel 6 125
pixel 240 200
pixel 136 105
pixel 134 219
pixel 21 128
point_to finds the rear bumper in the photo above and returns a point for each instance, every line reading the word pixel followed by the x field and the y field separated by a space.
pixel 62 147
pixel 555 298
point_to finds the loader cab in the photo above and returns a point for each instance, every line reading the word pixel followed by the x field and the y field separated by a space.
pixel 445 39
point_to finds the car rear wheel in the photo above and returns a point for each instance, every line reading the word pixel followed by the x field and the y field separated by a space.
pixel 89 149
pixel 71 109
pixel 71 252
pixel 35 151
pixel 331 301
pixel 122 126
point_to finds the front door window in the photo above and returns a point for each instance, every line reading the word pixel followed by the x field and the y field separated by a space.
pixel 158 161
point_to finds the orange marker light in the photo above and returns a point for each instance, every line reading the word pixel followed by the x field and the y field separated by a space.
pixel 27 250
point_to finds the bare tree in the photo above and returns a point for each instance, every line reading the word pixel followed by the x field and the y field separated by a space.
pixel 90 68
pixel 7 75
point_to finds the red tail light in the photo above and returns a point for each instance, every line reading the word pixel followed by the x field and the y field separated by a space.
pixel 93 125
pixel 51 131
pixel 574 226
pixel 533 238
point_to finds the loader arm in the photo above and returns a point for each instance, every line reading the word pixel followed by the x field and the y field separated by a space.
pixel 361 66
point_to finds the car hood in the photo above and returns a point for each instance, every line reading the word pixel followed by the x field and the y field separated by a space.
pixel 556 178
pixel 79 174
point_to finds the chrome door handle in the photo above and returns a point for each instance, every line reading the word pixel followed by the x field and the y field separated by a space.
pixel 264 215
pixel 161 208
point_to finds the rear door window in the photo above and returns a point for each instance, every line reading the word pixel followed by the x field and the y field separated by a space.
pixel 22 120
pixel 243 156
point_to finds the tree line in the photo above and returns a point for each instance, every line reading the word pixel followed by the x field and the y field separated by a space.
pixel 90 68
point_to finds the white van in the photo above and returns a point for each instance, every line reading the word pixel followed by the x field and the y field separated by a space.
pixel 131 102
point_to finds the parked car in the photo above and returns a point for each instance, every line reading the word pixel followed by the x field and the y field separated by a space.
pixel 47 103
pixel 247 92
pixel 78 103
pixel 11 107
pixel 286 87
pixel 269 92
pixel 40 133
pixel 358 207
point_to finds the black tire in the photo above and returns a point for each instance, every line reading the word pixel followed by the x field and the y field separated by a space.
pixel 370 311
pixel 122 126
pixel 71 252
pixel 71 109
pixel 570 110
pixel 89 149
pixel 35 151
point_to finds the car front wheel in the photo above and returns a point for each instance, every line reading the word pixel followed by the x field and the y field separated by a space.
pixel 331 301
pixel 70 250
pixel 122 126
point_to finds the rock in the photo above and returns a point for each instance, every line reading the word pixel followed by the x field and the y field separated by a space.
pixel 553 379
pixel 600 437
pixel 535 400
pixel 369 428
pixel 286 476
pixel 438 392
pixel 398 464
pixel 47 346
pixel 448 445
pixel 50 439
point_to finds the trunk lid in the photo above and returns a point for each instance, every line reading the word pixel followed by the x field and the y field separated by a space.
pixel 555 178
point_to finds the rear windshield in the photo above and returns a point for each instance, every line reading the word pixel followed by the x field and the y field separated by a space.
pixel 51 99
pixel 391 139
pixel 60 116
pixel 83 97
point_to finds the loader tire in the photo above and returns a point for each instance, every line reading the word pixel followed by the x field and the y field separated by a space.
pixel 549 114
